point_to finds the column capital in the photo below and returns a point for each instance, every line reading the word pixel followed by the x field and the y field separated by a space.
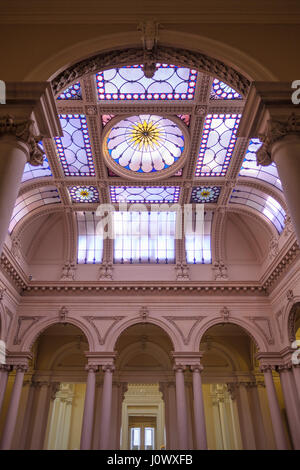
pixel 23 131
pixel 269 114
pixel 179 367
pixel 197 368
pixel 267 367
pixel 92 368
pixel 21 367
pixel 108 368
pixel 5 367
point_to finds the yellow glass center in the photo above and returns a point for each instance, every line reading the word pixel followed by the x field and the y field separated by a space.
pixel 145 134
pixel 205 193
pixel 84 193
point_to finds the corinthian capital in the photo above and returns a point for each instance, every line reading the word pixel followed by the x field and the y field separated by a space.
pixel 276 130
pixel 23 131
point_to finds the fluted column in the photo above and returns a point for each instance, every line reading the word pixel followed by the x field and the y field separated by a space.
pixel 181 406
pixel 199 415
pixel 276 418
pixel 12 412
pixel 88 414
pixel 4 371
pixel 106 406
pixel 291 403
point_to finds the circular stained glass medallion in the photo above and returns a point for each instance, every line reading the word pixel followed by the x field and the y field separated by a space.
pixel 144 144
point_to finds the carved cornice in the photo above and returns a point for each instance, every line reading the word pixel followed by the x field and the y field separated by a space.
pixel 165 55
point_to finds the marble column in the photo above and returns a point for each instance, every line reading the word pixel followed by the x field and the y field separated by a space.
pixel 12 412
pixel 181 406
pixel 199 415
pixel 172 437
pixel 88 413
pixel 291 403
pixel 4 371
pixel 106 406
pixel 40 420
pixel 17 146
pixel 245 418
pixel 259 430
pixel 296 372
pixel 278 429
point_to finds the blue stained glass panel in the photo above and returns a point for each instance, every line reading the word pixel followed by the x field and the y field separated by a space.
pixel 129 83
pixel 32 200
pixel 145 194
pixel 252 170
pixel 217 144
pixel 73 92
pixel 74 148
pixel 221 91
pixel 261 202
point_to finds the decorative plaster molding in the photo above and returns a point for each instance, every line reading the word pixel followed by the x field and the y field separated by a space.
pixel 144 313
pixel 279 320
pixel 290 295
pixel 63 312
pixel 273 247
pixel 185 326
pixel 220 271
pixel 164 54
pixel 106 271
pixel 265 327
pixel 182 272
pixel 22 329
pixel 100 323
pixel 68 272
pixel 225 313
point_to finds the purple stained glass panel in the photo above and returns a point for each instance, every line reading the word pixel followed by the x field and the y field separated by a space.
pixel 83 193
pixel 217 144
pixel 73 92
pixel 221 91
pixel 145 194
pixel 74 148
pixel 129 83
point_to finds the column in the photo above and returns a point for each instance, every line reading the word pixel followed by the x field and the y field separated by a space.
pixel 40 420
pixel 245 417
pixel 199 415
pixel 296 372
pixel 106 406
pixel 4 371
pixel 30 111
pixel 182 427
pixel 270 115
pixel 276 418
pixel 234 419
pixel 259 431
pixel 291 403
pixel 172 437
pixel 12 412
pixel 88 413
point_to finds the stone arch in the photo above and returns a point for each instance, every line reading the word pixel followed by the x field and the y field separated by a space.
pixel 37 329
pixel 119 328
pixel 254 334
pixel 155 350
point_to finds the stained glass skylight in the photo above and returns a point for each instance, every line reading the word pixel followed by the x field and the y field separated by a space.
pixel 83 193
pixel 105 118
pixel 252 170
pixel 145 143
pixel 145 194
pixel 73 92
pixel 221 91
pixel 261 202
pixel 90 243
pixel 74 148
pixel 144 237
pixel 198 242
pixel 129 83
pixel 31 200
pixel 205 194
pixel 217 144
pixel 185 118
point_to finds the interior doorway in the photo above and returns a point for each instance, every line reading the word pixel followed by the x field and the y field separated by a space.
pixel 142 433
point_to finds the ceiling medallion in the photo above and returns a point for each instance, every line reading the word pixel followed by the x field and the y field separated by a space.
pixel 145 146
